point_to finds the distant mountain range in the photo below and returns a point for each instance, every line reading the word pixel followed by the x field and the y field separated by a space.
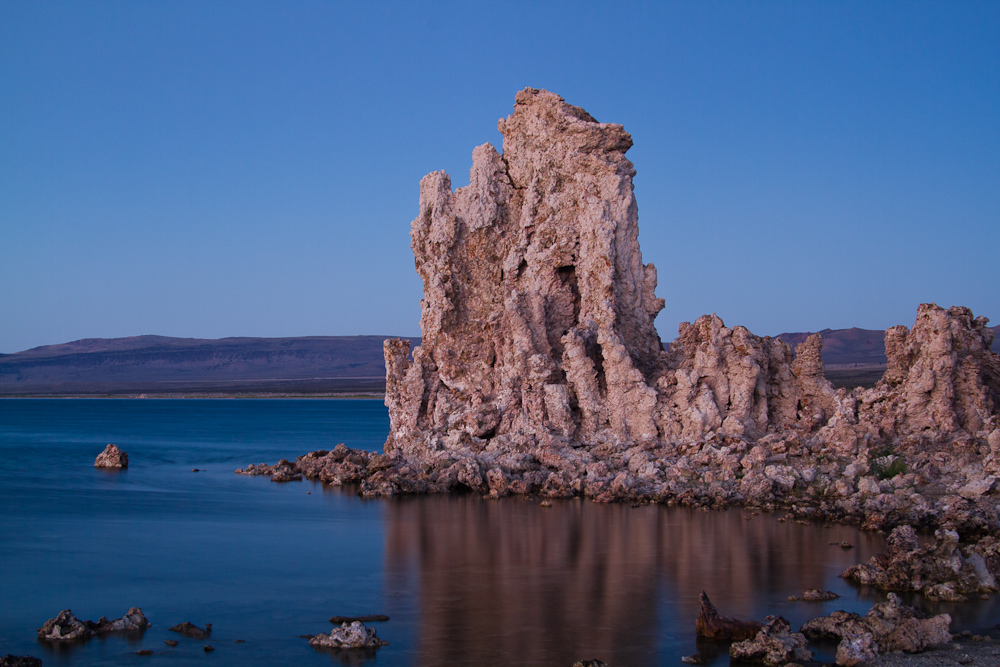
pixel 308 365
pixel 159 364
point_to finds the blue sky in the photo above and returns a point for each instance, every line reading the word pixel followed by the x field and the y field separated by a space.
pixel 251 169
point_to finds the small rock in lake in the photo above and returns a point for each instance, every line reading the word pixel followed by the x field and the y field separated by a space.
pixel 240 641
pixel 189 629
pixel 545 503
pixel 20 661
pixel 195 470
pixel 590 663
pixel 209 648
pixel 695 659
pixel 813 595
pixel 349 635
pixel 843 545
pixel 111 457
pixel 170 642
pixel 144 651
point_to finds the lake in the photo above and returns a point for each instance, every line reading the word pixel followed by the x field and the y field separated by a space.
pixel 466 581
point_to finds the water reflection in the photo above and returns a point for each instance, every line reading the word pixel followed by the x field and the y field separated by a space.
pixel 510 582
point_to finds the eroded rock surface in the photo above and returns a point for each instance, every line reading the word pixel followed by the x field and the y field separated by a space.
pixel 888 626
pixel 111 457
pixel 348 635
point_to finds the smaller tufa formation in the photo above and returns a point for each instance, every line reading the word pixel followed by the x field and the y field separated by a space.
pixel 111 457
pixel 774 645
pixel 888 626
pixel 941 571
pixel 349 635
pixel 67 627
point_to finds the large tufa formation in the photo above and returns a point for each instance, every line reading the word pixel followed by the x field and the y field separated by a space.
pixel 537 323
pixel 538 311
pixel 537 315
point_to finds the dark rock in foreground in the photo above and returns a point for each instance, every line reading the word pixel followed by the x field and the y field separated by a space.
pixel 710 624
pixel 19 661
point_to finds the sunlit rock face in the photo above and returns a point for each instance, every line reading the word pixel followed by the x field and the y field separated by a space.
pixel 537 315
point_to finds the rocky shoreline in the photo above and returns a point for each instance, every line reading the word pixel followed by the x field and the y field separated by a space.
pixel 540 373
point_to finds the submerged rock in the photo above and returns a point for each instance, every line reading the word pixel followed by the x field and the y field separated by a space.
pixel 774 645
pixel 888 626
pixel 67 627
pixel 111 457
pixel 814 595
pixel 189 629
pixel 349 635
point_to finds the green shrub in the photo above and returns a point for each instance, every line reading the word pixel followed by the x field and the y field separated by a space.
pixel 886 464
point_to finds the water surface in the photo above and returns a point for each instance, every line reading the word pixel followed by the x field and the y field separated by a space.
pixel 464 580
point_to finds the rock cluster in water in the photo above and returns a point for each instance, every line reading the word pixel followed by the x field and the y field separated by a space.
pixel 67 627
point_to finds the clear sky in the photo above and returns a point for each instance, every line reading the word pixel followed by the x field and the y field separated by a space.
pixel 211 169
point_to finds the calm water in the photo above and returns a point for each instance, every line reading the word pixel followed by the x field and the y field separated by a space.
pixel 465 581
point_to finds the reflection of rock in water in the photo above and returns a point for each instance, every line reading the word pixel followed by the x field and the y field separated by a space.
pixel 507 581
